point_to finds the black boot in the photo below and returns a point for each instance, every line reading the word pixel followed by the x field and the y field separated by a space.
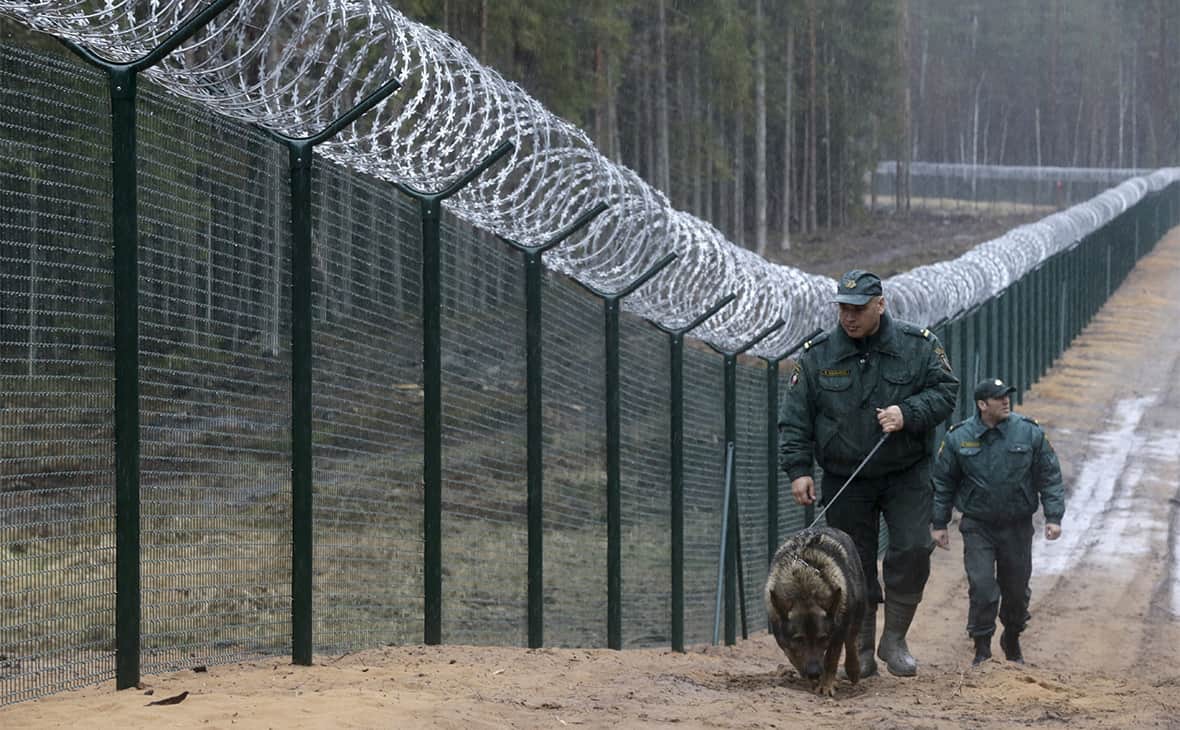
pixel 1010 643
pixel 892 649
pixel 983 650
pixel 867 642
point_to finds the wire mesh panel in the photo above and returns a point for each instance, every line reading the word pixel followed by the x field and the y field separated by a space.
pixel 57 500
pixel 646 486
pixel 750 473
pixel 215 382
pixel 704 487
pixel 367 414
pixel 574 394
pixel 484 494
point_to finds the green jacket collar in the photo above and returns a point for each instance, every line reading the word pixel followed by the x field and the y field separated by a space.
pixel 883 340
pixel 975 428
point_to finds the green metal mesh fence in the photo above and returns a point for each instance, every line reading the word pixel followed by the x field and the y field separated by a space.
pixel 575 466
pixel 485 538
pixel 56 379
pixel 646 488
pixel 215 407
pixel 214 382
pixel 367 413
pixel 704 481
pixel 750 472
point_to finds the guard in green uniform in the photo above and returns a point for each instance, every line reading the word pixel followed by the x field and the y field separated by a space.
pixel 994 468
pixel 870 375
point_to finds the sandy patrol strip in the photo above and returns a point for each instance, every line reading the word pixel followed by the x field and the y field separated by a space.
pixel 1103 646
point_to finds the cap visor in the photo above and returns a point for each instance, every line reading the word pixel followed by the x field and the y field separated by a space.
pixel 857 299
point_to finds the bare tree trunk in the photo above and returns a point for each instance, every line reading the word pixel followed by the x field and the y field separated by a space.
pixel 1134 108
pixel 684 166
pixel 788 141
pixel 1055 115
pixel 916 129
pixel 1003 134
pixel 614 142
pixel 812 112
pixel 1077 133
pixel 760 233
pixel 663 175
pixel 828 143
pixel 739 178
pixel 1122 109
pixel 1037 127
pixel 483 31
pixel 695 128
pixel 905 145
pixel 600 98
pixel 707 146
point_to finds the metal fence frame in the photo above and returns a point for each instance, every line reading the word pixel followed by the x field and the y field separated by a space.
pixel 1018 334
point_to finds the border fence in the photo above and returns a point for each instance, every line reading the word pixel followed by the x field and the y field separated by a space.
pixel 994 189
pixel 297 409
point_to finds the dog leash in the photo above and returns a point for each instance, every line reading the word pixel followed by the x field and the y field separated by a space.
pixel 854 473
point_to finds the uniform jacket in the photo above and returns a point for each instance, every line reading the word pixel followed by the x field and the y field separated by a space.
pixel 830 408
pixel 997 474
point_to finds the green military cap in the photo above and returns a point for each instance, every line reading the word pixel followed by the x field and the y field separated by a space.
pixel 992 388
pixel 857 287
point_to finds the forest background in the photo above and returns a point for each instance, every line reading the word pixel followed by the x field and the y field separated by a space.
pixel 765 117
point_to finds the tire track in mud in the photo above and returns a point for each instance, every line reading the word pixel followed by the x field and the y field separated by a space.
pixel 1103 594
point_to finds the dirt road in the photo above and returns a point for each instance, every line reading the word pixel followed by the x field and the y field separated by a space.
pixel 1103 645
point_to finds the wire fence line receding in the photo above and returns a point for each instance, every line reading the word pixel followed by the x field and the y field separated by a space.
pixel 294 67
pixel 216 355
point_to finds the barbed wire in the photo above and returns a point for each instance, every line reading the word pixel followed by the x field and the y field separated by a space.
pixel 294 66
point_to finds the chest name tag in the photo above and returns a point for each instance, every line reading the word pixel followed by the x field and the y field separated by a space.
pixel 835 373
pixel 969 445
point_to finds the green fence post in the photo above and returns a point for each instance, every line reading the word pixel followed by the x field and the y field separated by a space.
pixel 430 210
pixel 301 153
pixel 723 557
pixel 122 81
pixel 614 517
pixel 534 428
pixel 732 526
pixel 676 460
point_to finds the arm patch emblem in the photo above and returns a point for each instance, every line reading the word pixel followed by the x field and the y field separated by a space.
pixel 943 359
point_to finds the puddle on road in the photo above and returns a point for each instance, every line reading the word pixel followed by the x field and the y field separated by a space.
pixel 1100 510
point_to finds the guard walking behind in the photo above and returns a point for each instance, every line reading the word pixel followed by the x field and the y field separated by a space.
pixel 994 468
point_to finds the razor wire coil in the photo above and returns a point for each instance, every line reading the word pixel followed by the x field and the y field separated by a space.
pixel 294 66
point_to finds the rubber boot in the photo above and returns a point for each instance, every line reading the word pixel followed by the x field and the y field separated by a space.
pixel 867 640
pixel 893 650
pixel 1010 643
pixel 983 650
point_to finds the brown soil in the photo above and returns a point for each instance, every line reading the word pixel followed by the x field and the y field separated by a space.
pixel 1101 649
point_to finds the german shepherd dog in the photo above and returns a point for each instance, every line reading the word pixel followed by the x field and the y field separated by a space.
pixel 815 597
